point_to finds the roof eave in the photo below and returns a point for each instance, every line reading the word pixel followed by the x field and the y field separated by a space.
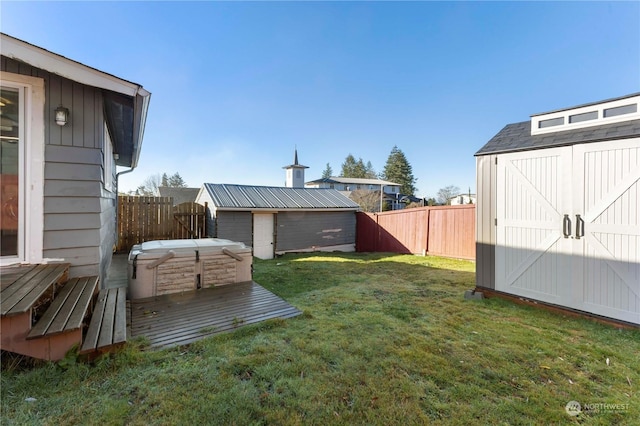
pixel 41 58
pixel 57 64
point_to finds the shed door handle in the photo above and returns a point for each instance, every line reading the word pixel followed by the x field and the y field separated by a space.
pixel 566 226
pixel 579 227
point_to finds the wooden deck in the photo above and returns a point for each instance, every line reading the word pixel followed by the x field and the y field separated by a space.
pixel 179 319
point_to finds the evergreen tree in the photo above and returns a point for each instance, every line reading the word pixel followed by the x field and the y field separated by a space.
pixel 399 170
pixel 357 169
pixel 369 172
pixel 165 180
pixel 349 167
pixel 176 181
pixel 328 172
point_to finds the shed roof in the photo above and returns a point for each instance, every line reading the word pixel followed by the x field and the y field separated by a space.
pixel 517 136
pixel 179 195
pixel 239 197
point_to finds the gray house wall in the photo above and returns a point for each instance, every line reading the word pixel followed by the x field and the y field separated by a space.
pixel 303 230
pixel 79 212
pixel 485 221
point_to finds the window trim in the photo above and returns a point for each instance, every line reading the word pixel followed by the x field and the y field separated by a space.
pixel 31 168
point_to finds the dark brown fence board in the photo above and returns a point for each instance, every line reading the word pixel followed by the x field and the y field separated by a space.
pixel 144 218
pixel 443 230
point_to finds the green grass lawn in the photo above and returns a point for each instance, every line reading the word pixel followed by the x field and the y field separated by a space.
pixel 384 339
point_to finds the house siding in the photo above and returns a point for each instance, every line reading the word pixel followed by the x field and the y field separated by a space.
pixel 485 221
pixel 235 226
pixel 79 215
pixel 304 230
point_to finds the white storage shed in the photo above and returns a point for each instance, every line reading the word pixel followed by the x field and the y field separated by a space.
pixel 558 213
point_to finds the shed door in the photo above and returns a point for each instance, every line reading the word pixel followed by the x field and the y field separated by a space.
pixel 606 196
pixel 568 227
pixel 532 255
pixel 263 227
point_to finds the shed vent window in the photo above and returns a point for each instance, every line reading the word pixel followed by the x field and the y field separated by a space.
pixel 621 110
pixel 577 118
pixel 551 122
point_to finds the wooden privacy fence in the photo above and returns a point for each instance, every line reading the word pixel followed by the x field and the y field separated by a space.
pixel 143 219
pixel 448 231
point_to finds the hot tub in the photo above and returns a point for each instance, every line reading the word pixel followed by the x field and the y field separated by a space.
pixel 172 266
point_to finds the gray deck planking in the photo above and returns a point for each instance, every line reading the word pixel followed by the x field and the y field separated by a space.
pixel 179 319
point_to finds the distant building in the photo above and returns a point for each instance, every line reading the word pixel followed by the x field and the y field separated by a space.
pixel 462 199
pixel 354 184
pixel 391 197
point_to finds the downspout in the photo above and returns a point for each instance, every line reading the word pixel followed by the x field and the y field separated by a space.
pixel 117 192
pixel 141 107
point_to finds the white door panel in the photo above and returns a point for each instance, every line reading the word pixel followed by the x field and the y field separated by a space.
pixel 532 254
pixel 263 226
pixel 606 271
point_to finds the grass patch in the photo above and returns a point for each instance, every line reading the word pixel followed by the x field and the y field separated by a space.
pixel 384 339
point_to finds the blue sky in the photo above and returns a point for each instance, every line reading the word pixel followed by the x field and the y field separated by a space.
pixel 236 86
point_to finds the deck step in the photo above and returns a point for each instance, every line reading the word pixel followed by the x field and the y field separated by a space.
pixel 28 284
pixel 68 309
pixel 108 325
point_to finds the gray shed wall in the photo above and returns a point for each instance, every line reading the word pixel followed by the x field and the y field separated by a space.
pixel 235 226
pixel 485 221
pixel 79 213
pixel 303 230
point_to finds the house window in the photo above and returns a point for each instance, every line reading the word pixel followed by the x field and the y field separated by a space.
pixel 22 168
pixel 12 153
pixel 621 110
pixel 332 186
pixel 551 122
pixel 577 118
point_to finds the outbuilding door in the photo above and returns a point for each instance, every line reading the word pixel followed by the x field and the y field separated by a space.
pixel 568 227
pixel 263 227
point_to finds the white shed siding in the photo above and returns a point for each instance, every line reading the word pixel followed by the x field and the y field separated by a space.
pixel 205 198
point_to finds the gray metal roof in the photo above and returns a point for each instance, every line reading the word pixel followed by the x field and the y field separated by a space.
pixel 279 198
pixel 517 136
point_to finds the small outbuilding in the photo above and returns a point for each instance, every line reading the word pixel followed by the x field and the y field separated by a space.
pixel 558 209
pixel 276 220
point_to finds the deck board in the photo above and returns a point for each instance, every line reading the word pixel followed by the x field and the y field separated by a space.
pixel 179 319
pixel 22 286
